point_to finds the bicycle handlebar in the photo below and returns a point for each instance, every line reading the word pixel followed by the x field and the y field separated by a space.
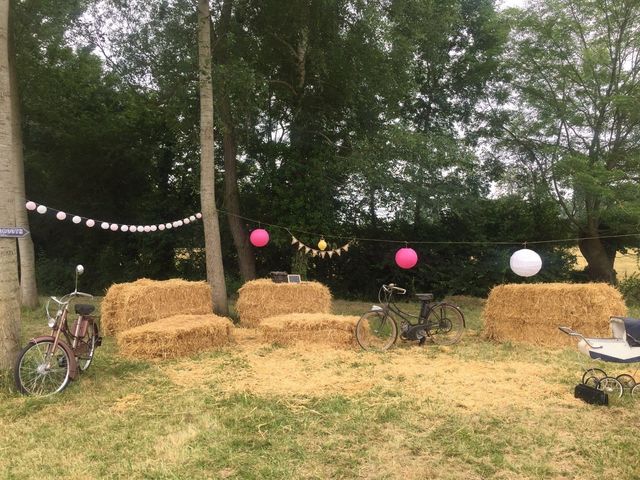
pixel 392 287
pixel 69 296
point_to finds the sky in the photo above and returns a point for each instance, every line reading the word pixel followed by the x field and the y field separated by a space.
pixel 511 3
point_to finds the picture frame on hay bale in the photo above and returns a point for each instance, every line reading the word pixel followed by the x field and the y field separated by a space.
pixel 284 277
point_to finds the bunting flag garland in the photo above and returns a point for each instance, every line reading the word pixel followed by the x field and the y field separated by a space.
pixel 114 227
pixel 320 253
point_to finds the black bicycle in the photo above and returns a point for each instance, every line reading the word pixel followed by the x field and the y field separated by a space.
pixel 378 328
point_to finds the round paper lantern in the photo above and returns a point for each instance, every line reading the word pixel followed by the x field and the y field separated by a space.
pixel 192 218
pixel 259 237
pixel 90 223
pixel 140 228
pixel 114 227
pixel 406 257
pixel 525 262
pixel 41 209
pixel 61 215
pixel 153 228
pixel 76 219
pixel 124 228
pixel 198 215
pixel 147 228
pixel 104 226
pixel 31 205
pixel 161 227
pixel 169 226
pixel 322 244
pixel 186 221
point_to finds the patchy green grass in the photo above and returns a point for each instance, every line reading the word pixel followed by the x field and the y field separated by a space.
pixel 475 410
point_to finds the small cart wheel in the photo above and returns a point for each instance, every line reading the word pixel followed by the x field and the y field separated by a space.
pixel 591 382
pixel 593 372
pixel 627 381
pixel 635 392
pixel 610 386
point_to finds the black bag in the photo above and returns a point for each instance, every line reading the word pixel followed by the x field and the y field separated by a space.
pixel 591 395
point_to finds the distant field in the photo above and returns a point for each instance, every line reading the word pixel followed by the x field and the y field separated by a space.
pixel 625 264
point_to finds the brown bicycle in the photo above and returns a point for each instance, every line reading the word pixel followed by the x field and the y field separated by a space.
pixel 47 364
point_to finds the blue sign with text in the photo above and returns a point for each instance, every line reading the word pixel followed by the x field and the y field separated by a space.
pixel 13 232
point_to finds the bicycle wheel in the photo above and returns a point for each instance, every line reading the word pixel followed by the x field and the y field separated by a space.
pixel 86 347
pixel 627 381
pixel 41 370
pixel 444 324
pixel 376 331
pixel 635 392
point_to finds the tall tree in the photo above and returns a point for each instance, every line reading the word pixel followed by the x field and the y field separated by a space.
pixel 28 288
pixel 574 116
pixel 215 270
pixel 9 303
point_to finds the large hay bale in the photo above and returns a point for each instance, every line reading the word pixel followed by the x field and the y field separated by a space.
pixel 259 299
pixel 176 336
pixel 311 328
pixel 532 313
pixel 128 305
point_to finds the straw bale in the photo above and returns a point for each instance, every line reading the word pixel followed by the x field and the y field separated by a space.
pixel 259 299
pixel 176 336
pixel 312 328
pixel 128 305
pixel 532 313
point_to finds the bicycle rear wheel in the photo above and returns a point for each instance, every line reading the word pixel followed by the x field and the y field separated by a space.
pixel 445 323
pixel 41 370
pixel 86 347
pixel 376 331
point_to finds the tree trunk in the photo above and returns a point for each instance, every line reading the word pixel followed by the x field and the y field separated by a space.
pixel 28 289
pixel 246 261
pixel 213 249
pixel 9 302
pixel 599 260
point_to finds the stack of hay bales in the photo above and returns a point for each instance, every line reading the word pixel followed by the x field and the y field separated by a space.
pixel 311 328
pixel 163 319
pixel 128 305
pixel 176 336
pixel 532 313
pixel 259 299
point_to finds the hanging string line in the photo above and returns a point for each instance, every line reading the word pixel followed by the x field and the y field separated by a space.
pixel 375 240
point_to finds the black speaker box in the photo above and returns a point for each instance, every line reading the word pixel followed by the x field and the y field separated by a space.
pixel 591 395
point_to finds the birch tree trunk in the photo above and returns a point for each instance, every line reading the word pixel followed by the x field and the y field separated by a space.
pixel 9 302
pixel 28 288
pixel 213 249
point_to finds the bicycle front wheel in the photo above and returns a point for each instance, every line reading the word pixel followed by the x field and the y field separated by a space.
pixel 444 324
pixel 86 347
pixel 376 331
pixel 41 369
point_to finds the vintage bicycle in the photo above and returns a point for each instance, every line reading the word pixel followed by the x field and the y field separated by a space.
pixel 47 363
pixel 379 328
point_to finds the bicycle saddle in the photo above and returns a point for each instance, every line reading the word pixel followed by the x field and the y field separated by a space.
pixel 84 309
pixel 425 297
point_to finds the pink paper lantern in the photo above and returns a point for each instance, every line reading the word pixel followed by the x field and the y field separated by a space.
pixel 259 237
pixel 31 205
pixel 61 215
pixel 406 257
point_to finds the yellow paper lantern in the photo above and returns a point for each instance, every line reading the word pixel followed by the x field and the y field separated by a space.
pixel 322 244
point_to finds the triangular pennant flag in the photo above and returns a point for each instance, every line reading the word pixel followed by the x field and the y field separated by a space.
pixel 330 253
pixel 346 247
pixel 314 252
pixel 338 252
pixel 300 246
pixel 294 240
pixel 322 254
pixel 307 249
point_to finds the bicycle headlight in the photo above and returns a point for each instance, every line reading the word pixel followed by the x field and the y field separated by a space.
pixel 51 322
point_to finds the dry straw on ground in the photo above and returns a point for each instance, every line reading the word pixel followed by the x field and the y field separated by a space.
pixel 532 313
pixel 177 336
pixel 259 299
pixel 317 328
pixel 128 305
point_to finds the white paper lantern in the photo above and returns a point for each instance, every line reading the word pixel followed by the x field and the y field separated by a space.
pixel 104 226
pixel 169 226
pixel 153 228
pixel 525 262
pixel 140 228
pixel 161 227
pixel 132 228
pixel 192 218
pixel 175 224
pixel 61 215
pixel 147 228
pixel 90 223
pixel 114 227
pixel 198 215
pixel 124 228
pixel 76 219
pixel 41 209
pixel 31 205
pixel 186 221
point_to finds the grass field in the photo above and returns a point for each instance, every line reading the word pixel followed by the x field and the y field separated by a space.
pixel 625 265
pixel 476 410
